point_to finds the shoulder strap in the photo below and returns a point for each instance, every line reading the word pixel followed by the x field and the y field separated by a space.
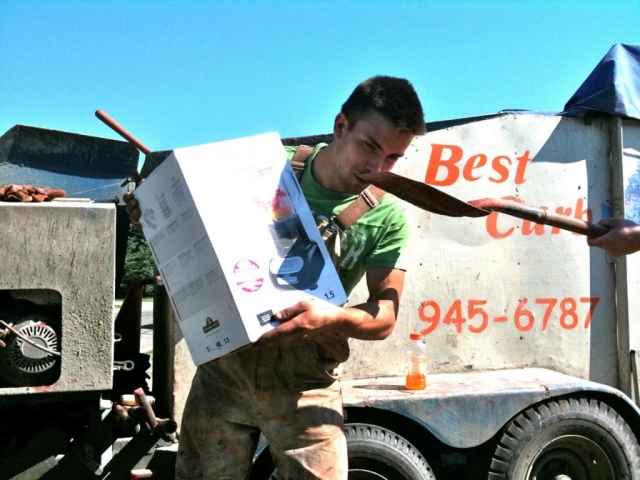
pixel 367 200
pixel 299 159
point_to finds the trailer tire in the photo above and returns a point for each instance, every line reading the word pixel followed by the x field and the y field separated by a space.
pixel 568 438
pixel 379 451
pixel 374 453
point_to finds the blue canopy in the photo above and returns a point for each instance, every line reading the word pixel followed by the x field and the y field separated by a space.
pixel 613 86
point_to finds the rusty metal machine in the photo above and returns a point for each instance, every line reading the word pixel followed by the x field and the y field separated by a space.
pixel 59 341
pixel 65 361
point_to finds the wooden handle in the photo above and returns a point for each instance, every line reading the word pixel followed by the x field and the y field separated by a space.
pixel 541 216
pixel 583 227
pixel 115 126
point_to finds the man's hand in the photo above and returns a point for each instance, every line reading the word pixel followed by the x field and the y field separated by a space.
pixel 623 238
pixel 372 320
pixel 132 207
pixel 303 319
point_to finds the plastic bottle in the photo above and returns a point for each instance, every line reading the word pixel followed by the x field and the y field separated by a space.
pixel 416 378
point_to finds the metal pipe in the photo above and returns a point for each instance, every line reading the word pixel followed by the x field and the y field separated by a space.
pixel 115 126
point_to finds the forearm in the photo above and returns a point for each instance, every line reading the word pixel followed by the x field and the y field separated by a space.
pixel 376 318
pixel 373 320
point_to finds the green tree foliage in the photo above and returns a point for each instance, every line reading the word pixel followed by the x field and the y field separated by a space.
pixel 138 263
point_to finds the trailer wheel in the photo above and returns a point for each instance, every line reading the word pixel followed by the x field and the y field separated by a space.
pixel 374 454
pixel 570 439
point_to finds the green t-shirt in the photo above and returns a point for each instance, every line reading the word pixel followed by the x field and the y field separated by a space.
pixel 377 239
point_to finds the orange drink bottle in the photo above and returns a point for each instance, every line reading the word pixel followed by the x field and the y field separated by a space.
pixel 416 375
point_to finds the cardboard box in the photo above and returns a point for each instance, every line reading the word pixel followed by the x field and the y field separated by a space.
pixel 234 241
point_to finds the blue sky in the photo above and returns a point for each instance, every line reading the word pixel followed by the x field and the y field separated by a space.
pixel 179 73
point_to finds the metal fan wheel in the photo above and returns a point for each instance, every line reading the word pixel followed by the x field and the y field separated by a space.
pixel 25 365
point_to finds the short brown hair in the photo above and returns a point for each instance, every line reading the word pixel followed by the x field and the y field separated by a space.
pixel 394 98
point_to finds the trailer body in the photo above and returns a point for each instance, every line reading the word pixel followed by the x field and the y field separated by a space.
pixel 520 319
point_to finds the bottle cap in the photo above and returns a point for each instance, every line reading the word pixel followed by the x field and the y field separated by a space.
pixel 415 336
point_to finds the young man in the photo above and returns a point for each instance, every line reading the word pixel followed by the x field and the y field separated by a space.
pixel 285 384
pixel 623 238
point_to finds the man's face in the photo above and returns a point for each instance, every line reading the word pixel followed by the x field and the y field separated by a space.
pixel 372 145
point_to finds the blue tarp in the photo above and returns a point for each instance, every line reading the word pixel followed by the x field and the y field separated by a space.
pixel 612 87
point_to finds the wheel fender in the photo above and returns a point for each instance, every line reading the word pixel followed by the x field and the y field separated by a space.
pixel 464 410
